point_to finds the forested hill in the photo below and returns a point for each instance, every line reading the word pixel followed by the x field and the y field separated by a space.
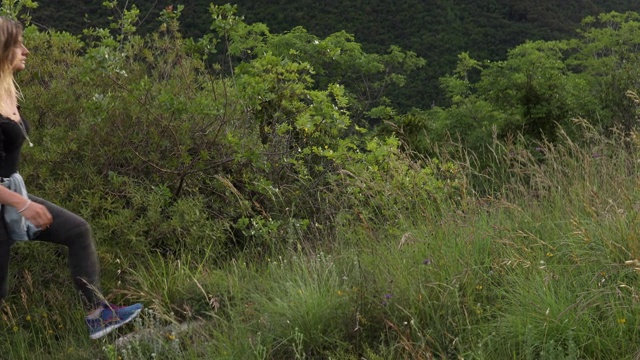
pixel 436 30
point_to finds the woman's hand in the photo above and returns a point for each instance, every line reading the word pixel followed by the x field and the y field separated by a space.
pixel 37 214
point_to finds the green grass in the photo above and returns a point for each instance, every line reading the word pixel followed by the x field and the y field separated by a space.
pixel 543 270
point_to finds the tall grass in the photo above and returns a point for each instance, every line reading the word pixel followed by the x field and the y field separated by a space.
pixel 547 268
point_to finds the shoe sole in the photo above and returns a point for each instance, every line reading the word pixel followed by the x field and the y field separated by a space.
pixel 109 329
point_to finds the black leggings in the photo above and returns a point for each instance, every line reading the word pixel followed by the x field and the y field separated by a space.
pixel 72 231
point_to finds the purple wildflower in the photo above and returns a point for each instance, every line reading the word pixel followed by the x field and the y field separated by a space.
pixel 387 297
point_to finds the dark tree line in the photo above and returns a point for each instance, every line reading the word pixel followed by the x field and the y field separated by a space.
pixel 436 30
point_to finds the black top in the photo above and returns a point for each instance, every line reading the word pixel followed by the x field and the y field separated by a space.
pixel 11 140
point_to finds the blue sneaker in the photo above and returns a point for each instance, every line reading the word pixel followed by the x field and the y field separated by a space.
pixel 111 317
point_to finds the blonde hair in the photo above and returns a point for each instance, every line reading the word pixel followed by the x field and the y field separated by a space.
pixel 10 32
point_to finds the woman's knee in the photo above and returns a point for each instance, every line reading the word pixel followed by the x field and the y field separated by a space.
pixel 83 228
pixel 81 235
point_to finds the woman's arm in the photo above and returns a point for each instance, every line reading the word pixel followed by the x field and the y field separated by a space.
pixel 37 214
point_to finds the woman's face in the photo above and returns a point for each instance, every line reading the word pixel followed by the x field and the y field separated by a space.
pixel 20 55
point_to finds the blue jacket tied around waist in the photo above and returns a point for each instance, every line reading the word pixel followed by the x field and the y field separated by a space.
pixel 18 227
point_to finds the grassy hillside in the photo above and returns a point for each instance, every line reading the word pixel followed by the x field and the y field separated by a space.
pixel 539 271
pixel 246 207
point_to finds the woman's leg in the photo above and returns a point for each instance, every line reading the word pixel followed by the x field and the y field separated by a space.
pixel 74 232
pixel 5 249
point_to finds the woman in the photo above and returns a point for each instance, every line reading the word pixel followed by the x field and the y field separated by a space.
pixel 26 217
